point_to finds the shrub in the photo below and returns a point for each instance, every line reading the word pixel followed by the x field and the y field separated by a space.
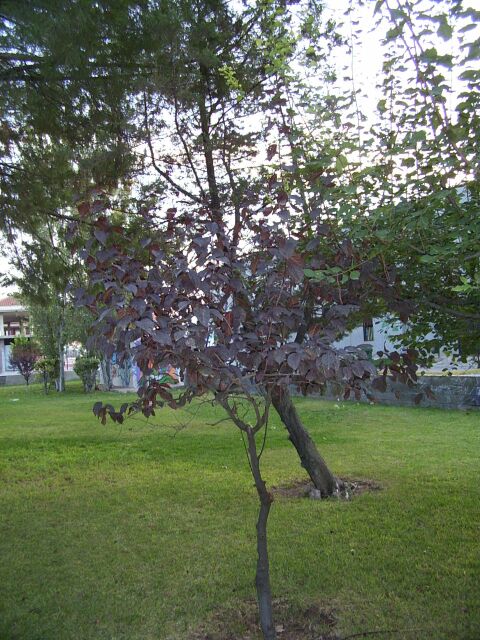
pixel 86 368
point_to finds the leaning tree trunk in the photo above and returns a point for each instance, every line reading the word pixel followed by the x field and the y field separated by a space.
pixel 311 460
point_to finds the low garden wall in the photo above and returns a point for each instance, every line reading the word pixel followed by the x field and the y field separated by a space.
pixel 451 392
pixel 16 379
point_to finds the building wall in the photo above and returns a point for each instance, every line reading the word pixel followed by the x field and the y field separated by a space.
pixel 381 338
pixel 383 335
pixel 13 322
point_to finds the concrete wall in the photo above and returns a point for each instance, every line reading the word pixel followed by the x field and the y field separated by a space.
pixel 11 379
pixel 451 392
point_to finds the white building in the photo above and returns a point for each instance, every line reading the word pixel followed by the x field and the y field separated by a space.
pixel 14 321
pixel 374 335
pixel 379 335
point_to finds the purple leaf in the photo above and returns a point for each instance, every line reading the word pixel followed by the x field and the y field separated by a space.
pixel 202 314
pixel 294 360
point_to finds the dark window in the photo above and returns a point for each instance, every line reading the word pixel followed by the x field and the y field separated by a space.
pixel 368 330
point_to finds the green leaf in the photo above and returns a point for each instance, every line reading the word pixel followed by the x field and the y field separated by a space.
pixel 398 14
pixel 378 6
pixel 470 74
pixel 428 259
pixel 467 27
pixel 473 52
pixel 341 163
pixel 429 55
pixel 445 31
pixel 382 106
pixel 354 275
pixel 315 275
pixel 393 33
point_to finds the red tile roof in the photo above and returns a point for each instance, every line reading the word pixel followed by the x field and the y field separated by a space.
pixel 9 301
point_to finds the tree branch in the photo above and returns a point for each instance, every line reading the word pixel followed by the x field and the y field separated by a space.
pixel 164 174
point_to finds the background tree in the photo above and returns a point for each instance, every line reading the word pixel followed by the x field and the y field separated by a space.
pixel 86 368
pixel 47 369
pixel 23 356
pixel 432 66
pixel 57 101
pixel 46 271
pixel 408 175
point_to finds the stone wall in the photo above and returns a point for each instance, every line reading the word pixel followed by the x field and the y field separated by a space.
pixel 451 392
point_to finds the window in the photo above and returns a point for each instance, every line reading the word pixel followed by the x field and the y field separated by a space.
pixel 368 330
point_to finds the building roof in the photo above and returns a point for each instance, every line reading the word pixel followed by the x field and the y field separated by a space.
pixel 10 301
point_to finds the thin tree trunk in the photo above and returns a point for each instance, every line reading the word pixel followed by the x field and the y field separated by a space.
pixel 311 460
pixel 262 577
pixel 61 354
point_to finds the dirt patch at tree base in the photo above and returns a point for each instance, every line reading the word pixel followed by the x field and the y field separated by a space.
pixel 312 623
pixel 306 489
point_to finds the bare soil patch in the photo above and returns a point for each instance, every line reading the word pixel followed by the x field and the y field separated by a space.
pixel 306 489
pixel 312 623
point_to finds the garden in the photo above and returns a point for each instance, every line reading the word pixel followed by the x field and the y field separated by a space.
pixel 146 529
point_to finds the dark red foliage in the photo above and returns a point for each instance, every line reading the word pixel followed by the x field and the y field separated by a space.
pixel 230 305
pixel 24 355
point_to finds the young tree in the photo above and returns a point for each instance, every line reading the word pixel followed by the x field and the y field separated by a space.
pixel 23 356
pixel 47 368
pixel 235 312
pixel 219 69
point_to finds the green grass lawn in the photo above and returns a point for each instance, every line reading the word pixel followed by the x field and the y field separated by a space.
pixel 132 532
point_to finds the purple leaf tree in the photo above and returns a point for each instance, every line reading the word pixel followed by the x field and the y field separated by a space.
pixel 247 309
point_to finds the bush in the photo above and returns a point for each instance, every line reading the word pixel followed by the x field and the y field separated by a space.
pixel 24 355
pixel 48 370
pixel 86 368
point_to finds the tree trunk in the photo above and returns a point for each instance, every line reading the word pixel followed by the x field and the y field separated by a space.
pixel 106 373
pixel 262 577
pixel 61 354
pixel 207 145
pixel 311 460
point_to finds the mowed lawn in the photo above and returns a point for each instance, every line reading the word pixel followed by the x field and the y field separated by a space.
pixel 143 531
